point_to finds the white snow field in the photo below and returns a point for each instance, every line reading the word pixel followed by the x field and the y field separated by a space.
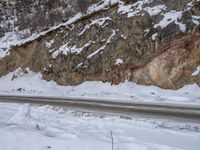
pixel 28 127
pixel 32 84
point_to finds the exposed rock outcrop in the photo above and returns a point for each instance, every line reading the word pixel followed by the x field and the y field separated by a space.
pixel 25 17
pixel 150 42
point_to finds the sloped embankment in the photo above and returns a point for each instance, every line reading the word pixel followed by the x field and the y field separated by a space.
pixel 150 42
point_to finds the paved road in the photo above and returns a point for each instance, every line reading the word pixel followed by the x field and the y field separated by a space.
pixel 183 112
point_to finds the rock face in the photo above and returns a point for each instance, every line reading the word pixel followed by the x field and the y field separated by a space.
pixel 151 42
pixel 24 17
pixel 173 67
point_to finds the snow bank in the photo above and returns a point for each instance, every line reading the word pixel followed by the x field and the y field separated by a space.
pixel 20 83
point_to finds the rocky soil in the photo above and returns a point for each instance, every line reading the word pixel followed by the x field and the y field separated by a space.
pixel 153 42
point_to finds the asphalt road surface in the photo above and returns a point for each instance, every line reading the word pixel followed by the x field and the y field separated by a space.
pixel 179 112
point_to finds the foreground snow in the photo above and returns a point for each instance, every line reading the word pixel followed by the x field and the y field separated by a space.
pixel 19 83
pixel 30 127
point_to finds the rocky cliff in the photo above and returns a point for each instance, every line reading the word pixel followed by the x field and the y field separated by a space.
pixel 153 42
pixel 25 17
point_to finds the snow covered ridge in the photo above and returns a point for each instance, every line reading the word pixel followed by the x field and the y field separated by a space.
pixel 26 82
pixel 137 8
